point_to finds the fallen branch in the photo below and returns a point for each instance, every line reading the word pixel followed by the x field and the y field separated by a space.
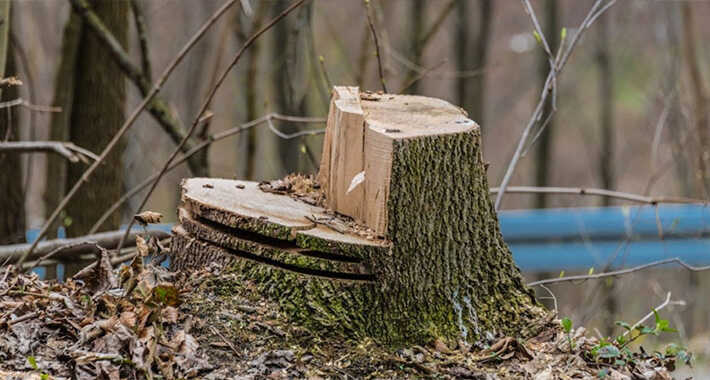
pixel 596 192
pixel 128 123
pixel 207 102
pixel 73 246
pixel 620 272
pixel 212 138
pixel 67 150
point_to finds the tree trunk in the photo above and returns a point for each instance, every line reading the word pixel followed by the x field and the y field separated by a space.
pixel 470 89
pixel 426 258
pixel 12 207
pixel 252 93
pixel 97 113
pixel 292 80
pixel 701 101
pixel 60 121
pixel 552 33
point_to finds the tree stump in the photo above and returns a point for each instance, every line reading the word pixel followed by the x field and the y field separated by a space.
pixel 424 257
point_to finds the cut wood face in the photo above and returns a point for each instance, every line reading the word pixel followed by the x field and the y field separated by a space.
pixel 360 137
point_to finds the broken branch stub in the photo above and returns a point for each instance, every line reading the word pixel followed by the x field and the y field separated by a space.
pixel 432 262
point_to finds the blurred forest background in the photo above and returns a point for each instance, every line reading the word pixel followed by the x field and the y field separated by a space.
pixel 633 102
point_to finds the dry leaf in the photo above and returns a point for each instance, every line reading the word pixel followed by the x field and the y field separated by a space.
pixel 148 217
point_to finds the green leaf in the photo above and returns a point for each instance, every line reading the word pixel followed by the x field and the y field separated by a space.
pixel 562 274
pixel 655 315
pixel 621 339
pixel 623 324
pixel 537 36
pixel 563 34
pixel 643 330
pixel 44 376
pixel 619 362
pixel 609 352
pixel 603 373
pixel 567 324
pixel 591 271
pixel 33 362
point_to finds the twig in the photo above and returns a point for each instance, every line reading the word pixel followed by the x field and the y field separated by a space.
pixel 552 296
pixel 23 318
pixel 559 64
pixel 420 75
pixel 377 45
pixel 214 330
pixel 656 309
pixel 207 102
pixel 126 125
pixel 59 249
pixel 142 40
pixel 596 192
pixel 212 138
pixel 32 107
pixel 438 22
pixel 621 272
pixel 67 150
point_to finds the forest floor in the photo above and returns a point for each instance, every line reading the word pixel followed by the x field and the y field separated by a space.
pixel 142 321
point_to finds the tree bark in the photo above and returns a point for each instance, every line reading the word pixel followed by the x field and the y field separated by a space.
pixel 12 207
pixel 60 121
pixel 606 111
pixel 544 153
pixel 426 258
pixel 292 80
pixel 97 113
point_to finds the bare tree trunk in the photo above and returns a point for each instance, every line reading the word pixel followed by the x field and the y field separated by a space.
pixel 606 112
pixel 542 168
pixel 606 153
pixel 292 79
pixel 470 89
pixel 700 99
pixel 96 115
pixel 59 124
pixel 12 205
pixel 251 92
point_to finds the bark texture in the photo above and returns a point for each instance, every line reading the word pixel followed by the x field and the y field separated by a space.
pixel 442 268
pixel 12 207
pixel 96 115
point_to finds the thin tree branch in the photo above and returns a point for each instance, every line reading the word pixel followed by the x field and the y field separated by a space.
pixel 32 107
pixel 158 108
pixel 73 246
pixel 127 124
pixel 207 102
pixel 558 66
pixel 142 40
pixel 212 138
pixel 655 309
pixel 436 25
pixel 67 150
pixel 377 45
pixel 620 272
pixel 596 192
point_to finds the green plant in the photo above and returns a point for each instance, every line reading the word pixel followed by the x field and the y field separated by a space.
pixel 616 351
pixel 567 327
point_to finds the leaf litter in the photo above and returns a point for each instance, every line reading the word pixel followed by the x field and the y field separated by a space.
pixel 141 321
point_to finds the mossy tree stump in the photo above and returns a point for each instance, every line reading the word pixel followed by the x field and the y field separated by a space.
pixel 433 263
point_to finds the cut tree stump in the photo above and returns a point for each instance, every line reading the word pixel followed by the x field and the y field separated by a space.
pixel 424 257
